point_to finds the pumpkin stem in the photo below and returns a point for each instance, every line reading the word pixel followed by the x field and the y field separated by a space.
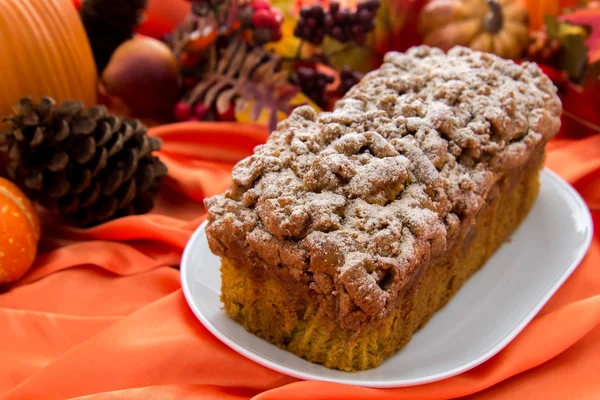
pixel 494 21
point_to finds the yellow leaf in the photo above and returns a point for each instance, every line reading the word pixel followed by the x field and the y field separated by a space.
pixel 288 45
pixel 284 5
pixel 263 118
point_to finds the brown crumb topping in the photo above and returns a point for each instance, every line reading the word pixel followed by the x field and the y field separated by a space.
pixel 352 202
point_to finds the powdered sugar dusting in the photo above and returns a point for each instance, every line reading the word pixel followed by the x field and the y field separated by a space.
pixel 353 201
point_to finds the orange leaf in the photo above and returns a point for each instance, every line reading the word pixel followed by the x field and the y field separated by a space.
pixel 263 117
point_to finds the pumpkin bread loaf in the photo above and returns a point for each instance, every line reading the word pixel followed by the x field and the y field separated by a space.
pixel 347 230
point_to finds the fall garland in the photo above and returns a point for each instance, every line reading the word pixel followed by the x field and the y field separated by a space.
pixel 305 51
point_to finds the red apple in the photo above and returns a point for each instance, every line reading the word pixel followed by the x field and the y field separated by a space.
pixel 143 72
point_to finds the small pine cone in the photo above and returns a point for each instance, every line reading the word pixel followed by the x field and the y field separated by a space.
pixel 543 50
pixel 89 165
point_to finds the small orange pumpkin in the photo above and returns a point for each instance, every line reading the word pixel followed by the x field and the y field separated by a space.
pixel 19 232
pixel 494 26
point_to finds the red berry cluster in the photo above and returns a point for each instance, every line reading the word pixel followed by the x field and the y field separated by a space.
pixel 313 83
pixel 348 78
pixel 342 24
pixel 260 23
pixel 311 24
pixel 263 19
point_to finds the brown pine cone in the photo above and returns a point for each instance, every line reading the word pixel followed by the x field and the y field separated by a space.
pixel 543 50
pixel 89 165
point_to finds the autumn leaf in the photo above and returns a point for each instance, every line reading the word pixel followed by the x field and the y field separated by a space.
pixel 287 47
pixel 395 29
pixel 358 58
pixel 589 18
pixel 580 104
pixel 574 57
pixel 393 23
pixel 583 16
pixel 245 115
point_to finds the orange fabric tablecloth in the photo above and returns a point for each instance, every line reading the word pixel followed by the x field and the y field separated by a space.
pixel 101 314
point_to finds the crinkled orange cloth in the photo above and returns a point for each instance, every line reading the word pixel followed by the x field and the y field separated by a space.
pixel 101 315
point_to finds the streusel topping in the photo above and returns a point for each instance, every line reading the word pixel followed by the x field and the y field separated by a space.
pixel 353 201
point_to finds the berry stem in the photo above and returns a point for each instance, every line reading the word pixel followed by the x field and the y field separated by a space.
pixel 297 56
pixel 299 50
pixel 581 121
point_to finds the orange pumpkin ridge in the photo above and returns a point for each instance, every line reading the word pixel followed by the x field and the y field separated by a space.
pixel 57 48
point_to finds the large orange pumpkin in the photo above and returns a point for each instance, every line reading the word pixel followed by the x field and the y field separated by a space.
pixel 44 51
pixel 494 26
pixel 19 232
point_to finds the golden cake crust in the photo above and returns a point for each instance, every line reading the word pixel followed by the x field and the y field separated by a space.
pixel 353 202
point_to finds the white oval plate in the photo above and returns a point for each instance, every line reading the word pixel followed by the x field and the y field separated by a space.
pixel 482 318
